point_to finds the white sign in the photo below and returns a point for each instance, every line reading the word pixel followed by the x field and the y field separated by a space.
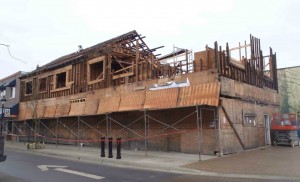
pixel 6 112
pixel 62 169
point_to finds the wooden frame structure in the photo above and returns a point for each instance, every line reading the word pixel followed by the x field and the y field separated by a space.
pixel 110 80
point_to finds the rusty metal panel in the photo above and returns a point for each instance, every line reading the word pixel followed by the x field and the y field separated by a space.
pixel 50 108
pixel 109 104
pixel 91 107
pixel 62 109
pixel 31 110
pixel 166 98
pixel 40 109
pixel 132 101
pixel 22 111
pixel 203 94
pixel 77 108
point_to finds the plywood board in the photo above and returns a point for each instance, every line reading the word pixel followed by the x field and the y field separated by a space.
pixel 208 60
pixel 245 91
pixel 203 94
pixel 158 99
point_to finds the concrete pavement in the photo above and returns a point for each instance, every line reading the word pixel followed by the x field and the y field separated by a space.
pixel 265 163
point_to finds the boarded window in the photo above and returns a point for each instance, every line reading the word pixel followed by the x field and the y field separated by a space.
pixel 42 84
pixel 61 80
pixel 28 89
pixel 249 119
pixel 96 71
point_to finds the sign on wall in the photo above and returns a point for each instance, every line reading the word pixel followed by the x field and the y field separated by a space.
pixel 6 112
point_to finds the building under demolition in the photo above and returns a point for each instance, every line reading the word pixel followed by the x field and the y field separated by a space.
pixel 207 102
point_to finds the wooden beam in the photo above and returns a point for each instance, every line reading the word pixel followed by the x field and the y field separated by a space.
pixel 233 127
pixel 136 61
pixel 240 46
pixel 122 75
pixel 124 68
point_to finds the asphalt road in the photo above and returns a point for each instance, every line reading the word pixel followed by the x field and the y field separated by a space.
pixel 23 166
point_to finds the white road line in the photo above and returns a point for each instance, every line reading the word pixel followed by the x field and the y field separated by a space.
pixel 79 173
pixel 45 167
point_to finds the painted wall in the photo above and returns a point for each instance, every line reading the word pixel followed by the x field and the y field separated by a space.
pixel 289 89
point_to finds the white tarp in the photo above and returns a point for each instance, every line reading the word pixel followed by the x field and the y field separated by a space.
pixel 171 84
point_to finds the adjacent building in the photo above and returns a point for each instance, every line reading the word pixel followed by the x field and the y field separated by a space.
pixel 289 89
pixel 9 89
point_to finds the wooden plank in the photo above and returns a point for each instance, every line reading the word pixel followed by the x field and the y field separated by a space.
pixel 122 75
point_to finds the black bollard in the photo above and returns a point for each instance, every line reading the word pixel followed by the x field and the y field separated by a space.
pixel 118 148
pixel 110 154
pixel 102 147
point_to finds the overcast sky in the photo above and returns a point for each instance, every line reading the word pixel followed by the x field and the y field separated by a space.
pixel 39 31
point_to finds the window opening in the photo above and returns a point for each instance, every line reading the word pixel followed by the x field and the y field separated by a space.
pixel 42 84
pixel 29 87
pixel 96 70
pixel 61 80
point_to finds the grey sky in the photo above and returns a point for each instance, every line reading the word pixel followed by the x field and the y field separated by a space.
pixel 41 31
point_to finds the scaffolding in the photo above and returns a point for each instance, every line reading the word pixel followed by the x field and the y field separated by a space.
pixel 145 130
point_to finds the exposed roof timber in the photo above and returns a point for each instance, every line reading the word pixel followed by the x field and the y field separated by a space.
pixel 154 49
pixel 139 36
pixel 127 39
pixel 175 53
pixel 122 62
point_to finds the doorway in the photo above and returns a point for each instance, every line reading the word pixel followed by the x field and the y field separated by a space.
pixel 267 129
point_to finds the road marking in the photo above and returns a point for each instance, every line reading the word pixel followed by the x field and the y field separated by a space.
pixel 79 173
pixel 45 167
pixel 61 169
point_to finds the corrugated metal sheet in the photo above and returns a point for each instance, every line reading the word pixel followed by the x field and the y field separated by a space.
pixel 108 104
pixel 50 108
pixel 156 99
pixel 203 94
pixel 91 107
pixel 27 110
pixel 22 111
pixel 132 101
pixel 62 110
pixel 40 109
pixel 77 108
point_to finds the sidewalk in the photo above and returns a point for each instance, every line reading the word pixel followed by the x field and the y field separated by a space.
pixel 154 160
pixel 279 162
pixel 271 161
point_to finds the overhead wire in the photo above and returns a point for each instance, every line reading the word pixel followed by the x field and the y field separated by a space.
pixel 7 46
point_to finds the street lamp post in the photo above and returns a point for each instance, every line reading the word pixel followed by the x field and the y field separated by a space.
pixel 3 100
pixel 2 156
